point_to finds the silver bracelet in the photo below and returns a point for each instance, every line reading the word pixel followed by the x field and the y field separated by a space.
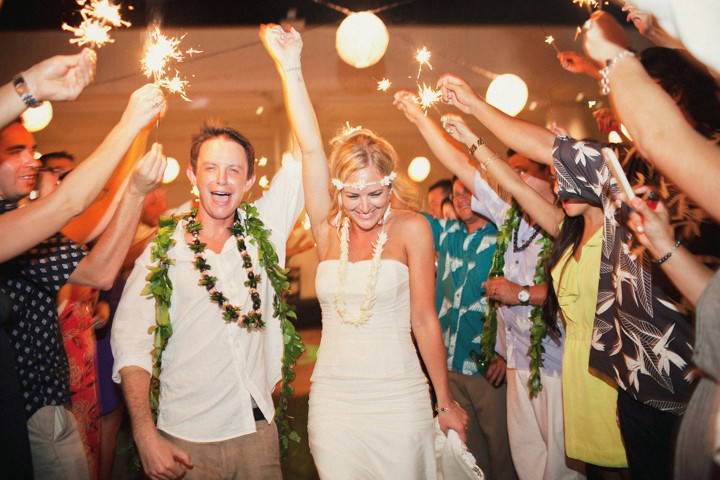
pixel 605 71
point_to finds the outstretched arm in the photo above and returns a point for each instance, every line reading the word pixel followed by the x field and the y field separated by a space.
pixel 45 216
pixel 285 47
pixel 540 210
pixel 446 151
pixel 687 158
pixel 100 267
pixel 529 140
pixel 58 78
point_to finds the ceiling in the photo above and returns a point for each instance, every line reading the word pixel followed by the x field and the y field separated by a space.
pixel 234 80
pixel 45 14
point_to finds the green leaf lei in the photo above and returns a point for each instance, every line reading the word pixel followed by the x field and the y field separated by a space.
pixel 160 287
pixel 538 330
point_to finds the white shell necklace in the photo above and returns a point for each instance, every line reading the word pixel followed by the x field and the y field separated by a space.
pixel 365 312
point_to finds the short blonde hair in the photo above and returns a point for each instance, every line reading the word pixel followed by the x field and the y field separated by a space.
pixel 362 148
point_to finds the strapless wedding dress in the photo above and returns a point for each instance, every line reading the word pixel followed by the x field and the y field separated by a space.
pixel 370 415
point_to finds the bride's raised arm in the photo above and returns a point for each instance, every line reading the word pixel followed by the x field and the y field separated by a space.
pixel 285 47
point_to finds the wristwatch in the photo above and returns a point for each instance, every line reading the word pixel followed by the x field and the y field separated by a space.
pixel 523 295
pixel 24 92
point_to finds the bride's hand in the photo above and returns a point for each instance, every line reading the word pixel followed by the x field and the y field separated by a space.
pixel 455 418
pixel 284 46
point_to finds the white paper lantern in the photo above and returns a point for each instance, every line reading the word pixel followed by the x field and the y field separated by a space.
pixel 361 39
pixel 172 169
pixel 419 169
pixel 35 119
pixel 507 92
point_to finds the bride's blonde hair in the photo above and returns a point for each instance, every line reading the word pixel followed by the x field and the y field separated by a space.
pixel 361 148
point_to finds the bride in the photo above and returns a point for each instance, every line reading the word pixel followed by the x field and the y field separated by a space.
pixel 370 413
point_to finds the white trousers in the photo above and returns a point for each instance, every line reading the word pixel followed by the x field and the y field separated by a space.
pixel 535 428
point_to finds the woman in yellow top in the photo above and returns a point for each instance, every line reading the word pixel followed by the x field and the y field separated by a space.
pixel 591 430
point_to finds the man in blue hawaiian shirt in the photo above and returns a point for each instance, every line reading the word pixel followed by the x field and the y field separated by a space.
pixel 465 250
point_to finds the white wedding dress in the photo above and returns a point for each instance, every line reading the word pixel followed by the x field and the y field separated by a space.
pixel 370 415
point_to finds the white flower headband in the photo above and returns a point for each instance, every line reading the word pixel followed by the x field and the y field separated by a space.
pixel 362 184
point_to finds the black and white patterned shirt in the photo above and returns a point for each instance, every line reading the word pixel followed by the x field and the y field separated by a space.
pixel 32 281
pixel 641 340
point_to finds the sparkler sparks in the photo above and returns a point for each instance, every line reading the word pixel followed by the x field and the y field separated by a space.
pixel 427 97
pixel 98 18
pixel 550 40
pixel 589 4
pixel 383 85
pixel 159 52
pixel 104 11
pixel 423 58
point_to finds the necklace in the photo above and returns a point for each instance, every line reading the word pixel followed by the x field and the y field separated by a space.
pixel 527 242
pixel 231 313
pixel 538 330
pixel 369 302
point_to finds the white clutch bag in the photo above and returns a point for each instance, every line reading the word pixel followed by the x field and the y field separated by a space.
pixel 454 462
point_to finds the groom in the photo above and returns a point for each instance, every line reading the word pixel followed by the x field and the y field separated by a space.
pixel 215 415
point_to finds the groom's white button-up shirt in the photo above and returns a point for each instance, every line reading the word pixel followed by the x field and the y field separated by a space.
pixel 210 369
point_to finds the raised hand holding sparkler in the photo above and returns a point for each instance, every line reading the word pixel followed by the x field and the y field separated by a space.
pixel 458 129
pixel 62 77
pixel 98 18
pixel 407 103
pixel 146 103
pixel 455 91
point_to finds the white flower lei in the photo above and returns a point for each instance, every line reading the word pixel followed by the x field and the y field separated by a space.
pixel 369 302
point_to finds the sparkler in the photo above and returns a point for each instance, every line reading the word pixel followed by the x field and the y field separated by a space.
pixel 423 58
pixel 427 97
pixel 159 52
pixel 383 85
pixel 98 18
pixel 550 40
pixel 589 4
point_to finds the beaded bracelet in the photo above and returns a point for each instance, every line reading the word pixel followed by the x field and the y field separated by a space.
pixel 605 72
pixel 667 256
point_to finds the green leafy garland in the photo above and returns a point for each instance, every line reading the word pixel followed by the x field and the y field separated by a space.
pixel 159 287
pixel 538 330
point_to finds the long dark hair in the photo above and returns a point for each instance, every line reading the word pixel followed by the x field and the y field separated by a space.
pixel 570 235
pixel 692 87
